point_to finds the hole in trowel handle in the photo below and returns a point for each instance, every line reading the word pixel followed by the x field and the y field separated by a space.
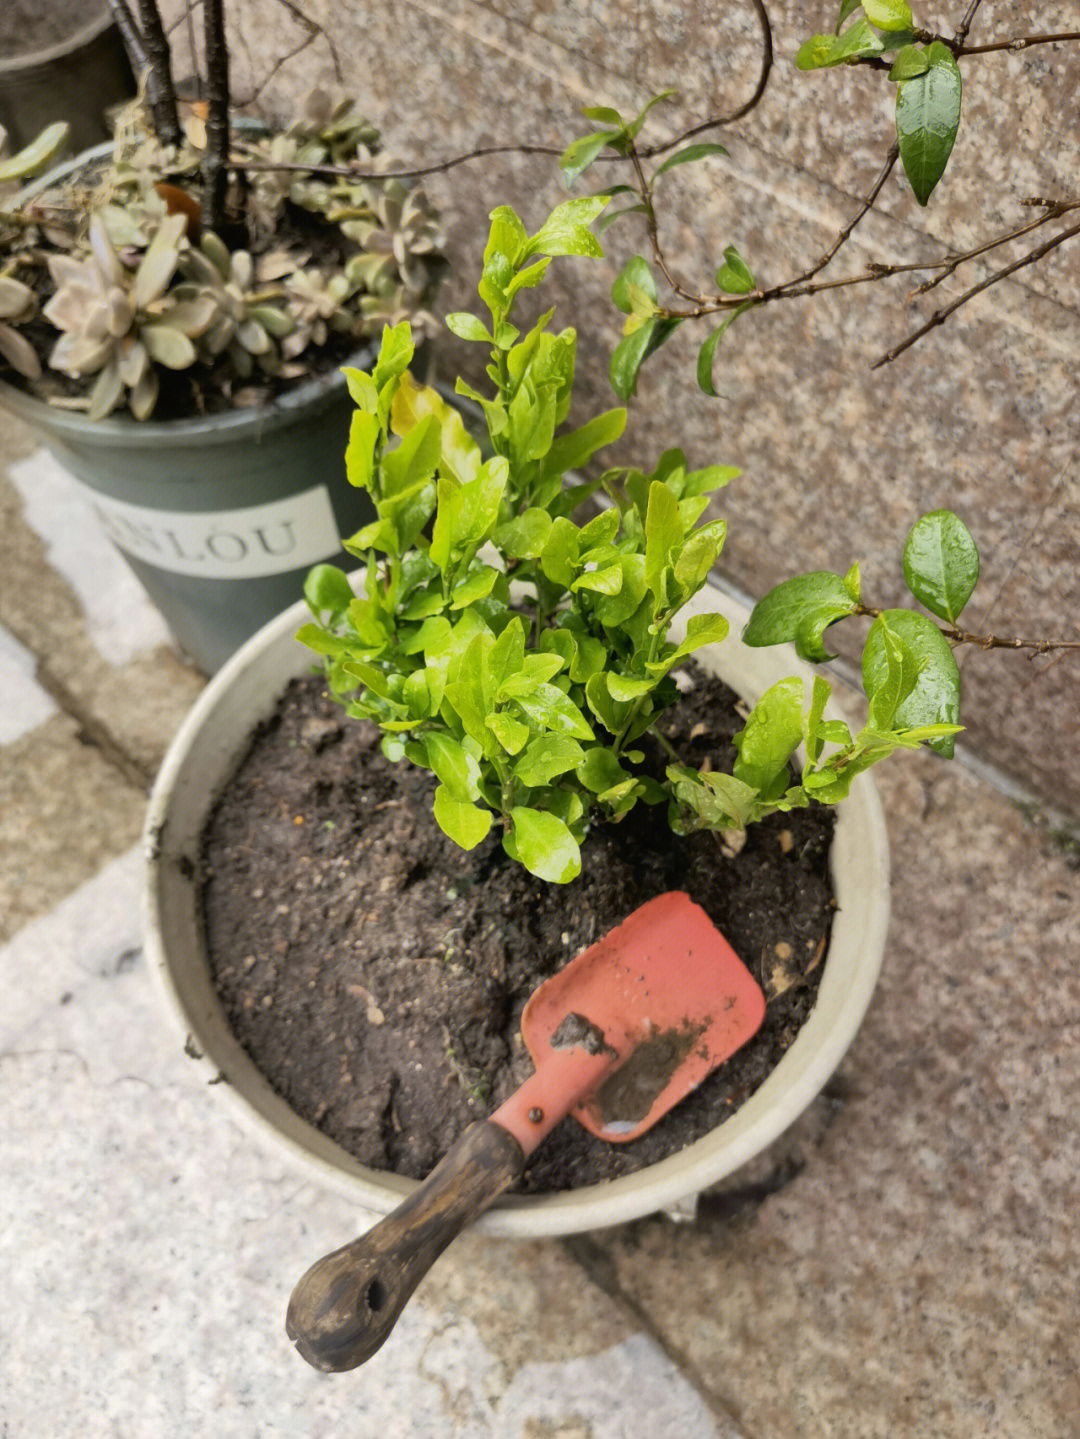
pixel 375 1295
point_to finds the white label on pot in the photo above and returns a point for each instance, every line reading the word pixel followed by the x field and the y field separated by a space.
pixel 265 539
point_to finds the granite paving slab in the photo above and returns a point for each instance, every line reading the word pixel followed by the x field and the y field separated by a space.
pixel 149 1247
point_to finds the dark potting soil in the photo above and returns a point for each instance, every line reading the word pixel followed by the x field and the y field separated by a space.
pixel 27 26
pixel 376 973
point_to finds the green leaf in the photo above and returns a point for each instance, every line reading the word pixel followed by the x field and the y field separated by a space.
pixel 800 610
pixel 361 388
pixel 566 232
pixel 600 770
pixel 544 845
pixel 623 688
pixel 547 757
pixel 468 327
pixel 888 14
pixel 888 684
pixel 700 630
pixel 688 155
pixel 941 563
pixel 847 7
pixel 605 222
pixel 413 461
pixel 634 350
pixel 328 588
pixel 635 274
pixel 634 127
pixel 457 770
pixel 857 40
pixel 507 236
pixel 910 62
pixel 606 581
pixel 603 115
pixel 548 707
pixel 570 452
pixel 663 531
pixel 821 51
pixel 510 732
pixel 167 346
pixel 935 698
pixel 523 538
pixel 927 119
pixel 579 155
pixel 364 432
pixel 35 157
pixel 733 276
pixel 708 349
pixel 772 733
pixel 466 824
pixel 475 586
pixel 395 352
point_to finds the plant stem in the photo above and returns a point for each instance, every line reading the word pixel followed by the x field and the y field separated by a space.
pixel 161 93
pixel 986 642
pixel 215 165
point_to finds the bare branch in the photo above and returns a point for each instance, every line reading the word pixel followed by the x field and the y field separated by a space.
pixel 129 33
pixel 987 642
pixel 742 110
pixel 1022 42
pixel 864 209
pixel 940 316
pixel 161 93
pixel 215 163
pixel 965 24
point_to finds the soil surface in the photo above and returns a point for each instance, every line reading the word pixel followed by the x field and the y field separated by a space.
pixel 27 26
pixel 376 973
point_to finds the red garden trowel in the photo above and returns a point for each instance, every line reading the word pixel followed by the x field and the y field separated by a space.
pixel 618 1037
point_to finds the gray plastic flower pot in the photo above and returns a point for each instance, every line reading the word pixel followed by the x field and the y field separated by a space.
pixel 219 516
pixel 77 80
pixel 196 769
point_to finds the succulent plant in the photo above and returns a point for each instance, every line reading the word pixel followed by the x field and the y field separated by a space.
pixel 246 324
pixel 117 323
pixel 140 286
pixel 18 303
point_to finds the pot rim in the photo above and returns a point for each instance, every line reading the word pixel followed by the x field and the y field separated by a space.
pixel 85 35
pixel 856 946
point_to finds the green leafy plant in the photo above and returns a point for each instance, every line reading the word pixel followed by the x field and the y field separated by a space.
pixel 523 656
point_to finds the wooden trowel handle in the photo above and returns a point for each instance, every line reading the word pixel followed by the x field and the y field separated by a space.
pixel 347 1303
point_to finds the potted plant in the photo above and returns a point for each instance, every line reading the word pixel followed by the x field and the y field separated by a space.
pixel 181 356
pixel 526 659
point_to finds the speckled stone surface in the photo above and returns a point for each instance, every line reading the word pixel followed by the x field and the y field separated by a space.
pixel 149 1248
pixel 915 1270
pixel 838 461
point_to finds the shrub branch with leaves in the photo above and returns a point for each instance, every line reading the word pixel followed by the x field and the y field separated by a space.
pixel 523 657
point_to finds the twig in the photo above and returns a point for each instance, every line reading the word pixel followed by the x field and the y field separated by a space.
pixel 160 91
pixel 649 151
pixel 940 316
pixel 986 642
pixel 278 65
pixel 1022 42
pixel 863 210
pixel 965 24
pixel 215 163
pixel 129 33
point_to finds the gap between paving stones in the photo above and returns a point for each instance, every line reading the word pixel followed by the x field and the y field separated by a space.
pixel 601 1270
pixel 92 731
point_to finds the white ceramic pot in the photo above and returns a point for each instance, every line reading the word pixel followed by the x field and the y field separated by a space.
pixel 201 760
